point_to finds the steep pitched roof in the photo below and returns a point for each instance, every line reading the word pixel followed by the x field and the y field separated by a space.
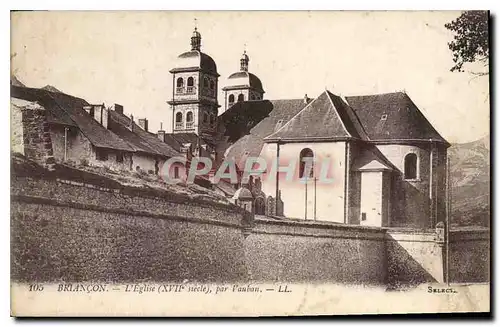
pixel 325 118
pixel 68 110
pixel 137 138
pixel 392 117
pixel 246 124
pixel 55 114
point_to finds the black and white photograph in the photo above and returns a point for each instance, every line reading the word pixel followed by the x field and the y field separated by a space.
pixel 249 163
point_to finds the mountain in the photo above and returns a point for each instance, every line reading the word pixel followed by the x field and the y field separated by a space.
pixel 51 89
pixel 15 81
pixel 470 182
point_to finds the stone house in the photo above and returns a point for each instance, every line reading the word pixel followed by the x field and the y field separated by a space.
pixel 96 135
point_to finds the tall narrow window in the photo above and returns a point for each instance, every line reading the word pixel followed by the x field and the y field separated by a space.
pixel 306 163
pixel 189 120
pixel 190 81
pixel 178 121
pixel 231 98
pixel 411 166
pixel 212 85
pixel 190 85
pixel 241 97
pixel 205 82
pixel 180 82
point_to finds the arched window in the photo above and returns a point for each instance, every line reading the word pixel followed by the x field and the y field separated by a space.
pixel 178 117
pixel 205 82
pixel 189 120
pixel 212 119
pixel 306 163
pixel 205 117
pixel 411 166
pixel 190 81
pixel 231 98
pixel 260 206
pixel 180 82
pixel 212 85
pixel 241 97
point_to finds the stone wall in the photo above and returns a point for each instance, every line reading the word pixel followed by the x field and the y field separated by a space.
pixel 63 231
pixel 32 136
pixel 304 251
pixel 99 231
pixel 470 256
pixel 413 257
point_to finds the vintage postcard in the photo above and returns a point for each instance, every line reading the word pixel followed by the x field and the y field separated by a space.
pixel 249 163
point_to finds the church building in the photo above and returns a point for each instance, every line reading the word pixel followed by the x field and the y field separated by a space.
pixel 386 164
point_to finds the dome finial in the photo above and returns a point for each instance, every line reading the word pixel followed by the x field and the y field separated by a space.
pixel 196 38
pixel 244 59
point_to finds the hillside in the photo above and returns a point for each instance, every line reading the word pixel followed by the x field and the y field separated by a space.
pixel 470 180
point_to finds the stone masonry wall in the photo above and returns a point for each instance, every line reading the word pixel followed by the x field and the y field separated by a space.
pixel 64 230
pixel 35 131
pixel 67 231
pixel 299 251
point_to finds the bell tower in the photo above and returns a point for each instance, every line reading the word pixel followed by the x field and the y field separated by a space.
pixel 242 85
pixel 194 104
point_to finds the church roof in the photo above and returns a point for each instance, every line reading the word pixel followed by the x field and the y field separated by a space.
pixel 195 60
pixel 392 117
pixel 243 79
pixel 325 118
pixel 247 123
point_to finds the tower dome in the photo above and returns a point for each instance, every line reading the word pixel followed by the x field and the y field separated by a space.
pixel 243 85
pixel 195 59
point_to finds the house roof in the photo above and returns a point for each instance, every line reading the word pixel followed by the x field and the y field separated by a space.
pixel 137 138
pixel 68 110
pixel 247 123
pixel 392 117
pixel 325 118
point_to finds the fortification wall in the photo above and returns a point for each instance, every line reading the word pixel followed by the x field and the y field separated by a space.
pixel 65 230
pixel 74 232
pixel 470 256
pixel 305 251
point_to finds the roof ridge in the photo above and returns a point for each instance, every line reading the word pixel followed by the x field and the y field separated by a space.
pixel 377 94
pixel 298 113
pixel 355 115
pixel 328 94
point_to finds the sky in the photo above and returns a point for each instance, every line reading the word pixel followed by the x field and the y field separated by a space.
pixel 125 58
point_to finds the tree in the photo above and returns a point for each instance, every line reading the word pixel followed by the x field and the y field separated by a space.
pixel 470 42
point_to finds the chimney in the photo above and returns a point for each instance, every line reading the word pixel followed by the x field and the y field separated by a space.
pixel 118 108
pixel 99 113
pixel 306 99
pixel 89 110
pixel 131 123
pixel 161 133
pixel 143 123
